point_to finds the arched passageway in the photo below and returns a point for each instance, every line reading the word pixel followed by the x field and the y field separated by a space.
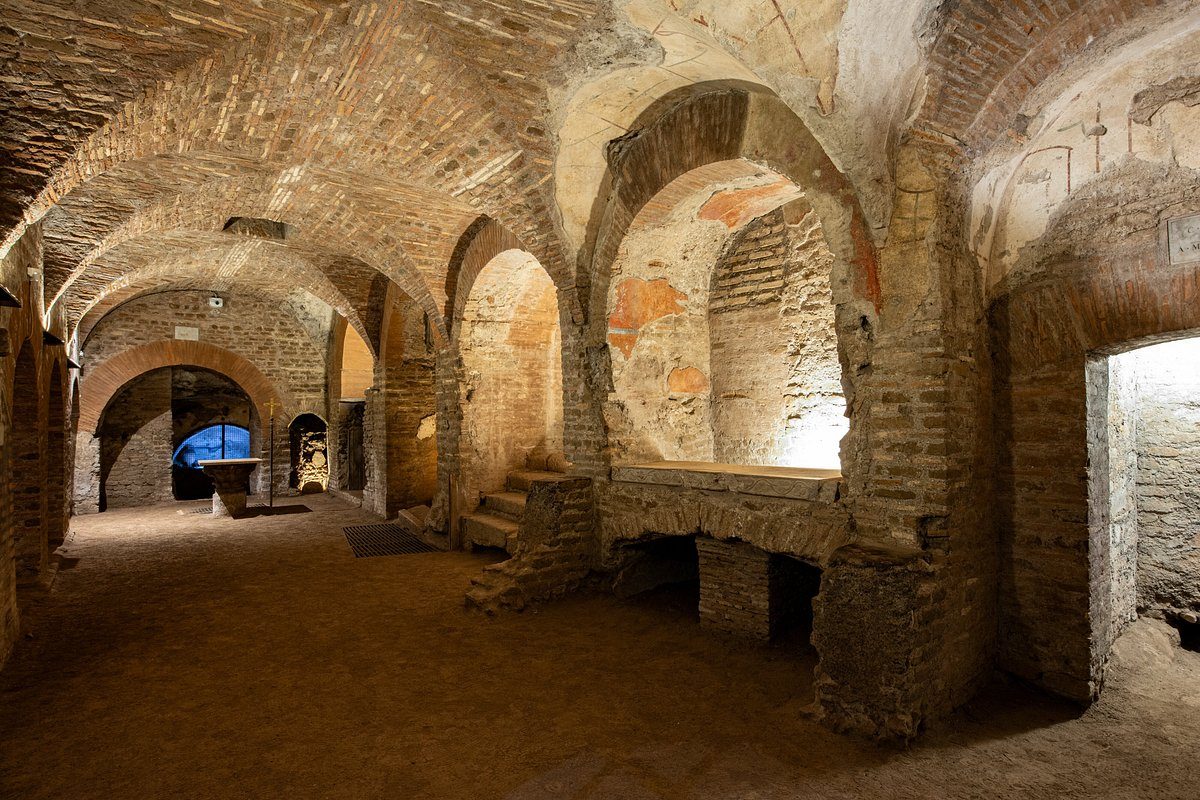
pixel 510 347
pixel 27 465
pixel 355 376
pixel 159 424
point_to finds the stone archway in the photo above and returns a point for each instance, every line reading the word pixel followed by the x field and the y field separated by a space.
pixel 101 384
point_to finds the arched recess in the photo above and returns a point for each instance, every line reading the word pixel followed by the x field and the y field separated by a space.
pixel 169 119
pixel 400 414
pixel 158 425
pixel 56 457
pixel 351 375
pixel 508 344
pixel 309 467
pixel 27 464
pixel 728 154
pixel 101 384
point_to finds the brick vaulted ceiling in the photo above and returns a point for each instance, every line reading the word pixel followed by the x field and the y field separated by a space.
pixel 989 55
pixel 379 130
pixel 134 129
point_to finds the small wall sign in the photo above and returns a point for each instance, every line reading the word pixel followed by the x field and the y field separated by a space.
pixel 1183 239
pixel 187 334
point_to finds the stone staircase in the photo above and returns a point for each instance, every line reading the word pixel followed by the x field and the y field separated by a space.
pixel 497 521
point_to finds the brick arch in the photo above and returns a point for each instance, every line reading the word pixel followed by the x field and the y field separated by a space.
pixel 988 57
pixel 707 124
pixel 172 117
pixel 693 141
pixel 483 240
pixel 334 232
pixel 101 384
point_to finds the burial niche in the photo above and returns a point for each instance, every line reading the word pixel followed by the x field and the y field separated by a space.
pixel 310 464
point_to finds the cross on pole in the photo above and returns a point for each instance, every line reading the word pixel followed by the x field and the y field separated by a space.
pixel 271 406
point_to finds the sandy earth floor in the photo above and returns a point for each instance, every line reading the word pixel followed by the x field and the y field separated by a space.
pixel 185 657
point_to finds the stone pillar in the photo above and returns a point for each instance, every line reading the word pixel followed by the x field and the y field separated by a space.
pixel 229 478
pixel 735 588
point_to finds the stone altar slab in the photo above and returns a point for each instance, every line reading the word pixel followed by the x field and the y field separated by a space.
pixel 229 479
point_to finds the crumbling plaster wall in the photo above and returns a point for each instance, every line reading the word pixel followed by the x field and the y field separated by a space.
pixel 658 335
pixel 1122 104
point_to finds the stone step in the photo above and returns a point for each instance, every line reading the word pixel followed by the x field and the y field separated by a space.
pixel 489 530
pixel 522 480
pixel 538 460
pixel 510 505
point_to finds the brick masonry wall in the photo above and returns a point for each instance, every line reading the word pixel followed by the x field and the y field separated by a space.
pixel 32 516
pixel 1112 472
pixel 1161 474
pixel 556 548
pixel 1097 281
pixel 735 588
pixel 288 352
pixel 400 418
pixel 135 444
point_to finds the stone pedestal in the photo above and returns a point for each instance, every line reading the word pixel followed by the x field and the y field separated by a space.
pixel 229 478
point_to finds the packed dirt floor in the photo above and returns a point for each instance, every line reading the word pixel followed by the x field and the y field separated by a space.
pixel 180 656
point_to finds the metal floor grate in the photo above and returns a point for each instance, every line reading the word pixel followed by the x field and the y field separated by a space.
pixel 384 540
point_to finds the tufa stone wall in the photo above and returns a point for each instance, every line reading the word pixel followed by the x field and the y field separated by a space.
pixel 1168 484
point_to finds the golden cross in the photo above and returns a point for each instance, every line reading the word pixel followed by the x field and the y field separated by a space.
pixel 271 406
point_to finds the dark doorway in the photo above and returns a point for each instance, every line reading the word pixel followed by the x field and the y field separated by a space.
pixel 663 572
pixel 793 586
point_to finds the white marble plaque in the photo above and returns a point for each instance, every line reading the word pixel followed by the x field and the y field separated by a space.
pixel 187 334
pixel 1183 239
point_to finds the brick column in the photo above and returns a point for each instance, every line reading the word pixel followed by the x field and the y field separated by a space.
pixel 735 588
